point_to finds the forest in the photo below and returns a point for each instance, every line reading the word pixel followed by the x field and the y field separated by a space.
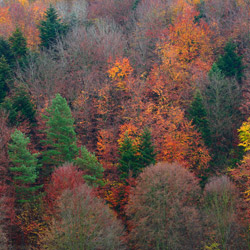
pixel 124 124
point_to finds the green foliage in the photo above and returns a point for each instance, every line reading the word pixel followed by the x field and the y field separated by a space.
pixel 18 44
pixel 51 28
pixel 5 76
pixel 24 167
pixel 6 51
pixel 134 158
pixel 91 166
pixel 221 214
pixel 146 149
pixel 19 107
pixel 61 136
pixel 222 98
pixel 230 63
pixel 198 115
pixel 129 160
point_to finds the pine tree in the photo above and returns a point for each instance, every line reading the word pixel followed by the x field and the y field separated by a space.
pixel 18 44
pixel 61 136
pixel 197 113
pixel 5 76
pixel 146 149
pixel 230 63
pixel 6 51
pixel 24 167
pixel 51 28
pixel 91 166
pixel 129 159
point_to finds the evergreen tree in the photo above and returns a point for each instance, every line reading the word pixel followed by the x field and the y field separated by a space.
pixel 61 136
pixel 198 115
pixel 51 28
pixel 230 63
pixel 18 44
pixel 24 167
pixel 19 107
pixel 129 159
pixel 5 76
pixel 6 51
pixel 146 150
pixel 91 166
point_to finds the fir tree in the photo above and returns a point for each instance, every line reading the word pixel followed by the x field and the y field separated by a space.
pixel 5 76
pixel 197 113
pixel 230 63
pixel 6 51
pixel 61 136
pixel 129 159
pixel 146 149
pixel 24 167
pixel 18 44
pixel 91 166
pixel 51 28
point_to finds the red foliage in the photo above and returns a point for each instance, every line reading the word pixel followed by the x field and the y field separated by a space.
pixel 63 178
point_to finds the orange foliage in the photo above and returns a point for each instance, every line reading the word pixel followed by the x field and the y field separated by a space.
pixel 186 54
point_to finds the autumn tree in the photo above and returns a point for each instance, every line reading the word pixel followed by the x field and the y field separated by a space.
pixel 222 214
pixel 89 164
pixel 66 177
pixel 162 209
pixel 84 222
pixel 61 136
pixel 24 167
pixel 51 28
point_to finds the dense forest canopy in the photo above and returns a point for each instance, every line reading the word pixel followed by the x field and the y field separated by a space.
pixel 124 124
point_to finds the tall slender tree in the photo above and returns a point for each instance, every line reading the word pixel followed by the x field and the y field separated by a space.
pixel 61 136
pixel 5 76
pixel 24 167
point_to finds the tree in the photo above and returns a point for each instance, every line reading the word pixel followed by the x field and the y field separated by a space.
pixel 51 28
pixel 5 75
pixel 6 51
pixel 222 98
pixel 83 222
pixel 162 209
pixel 66 177
pixel 128 162
pixel 222 214
pixel 61 136
pixel 24 167
pixel 89 164
pixel 197 113
pixel 230 63
pixel 146 149
pixel 18 44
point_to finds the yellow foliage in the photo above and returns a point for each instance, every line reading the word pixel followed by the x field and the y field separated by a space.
pixel 244 135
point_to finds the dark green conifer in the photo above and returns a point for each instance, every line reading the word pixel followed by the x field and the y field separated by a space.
pixel 18 44
pixel 146 149
pixel 129 159
pixel 5 76
pixel 91 166
pixel 230 64
pixel 24 167
pixel 6 51
pixel 61 136
pixel 197 113
pixel 51 28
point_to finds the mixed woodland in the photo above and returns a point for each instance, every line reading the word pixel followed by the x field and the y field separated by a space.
pixel 124 124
